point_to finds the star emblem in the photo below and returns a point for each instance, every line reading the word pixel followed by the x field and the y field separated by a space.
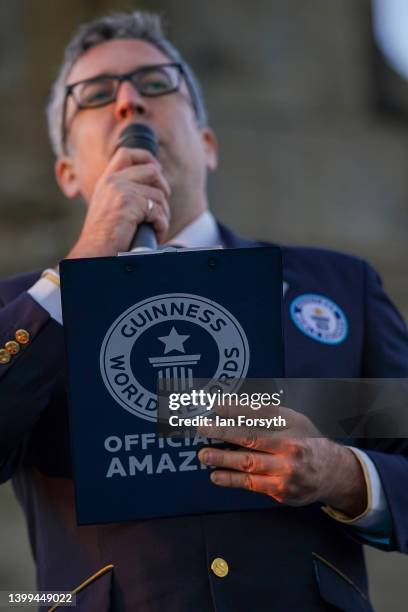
pixel 174 341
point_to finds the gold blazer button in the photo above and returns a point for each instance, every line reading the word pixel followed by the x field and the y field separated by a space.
pixel 22 336
pixel 12 347
pixel 4 356
pixel 220 567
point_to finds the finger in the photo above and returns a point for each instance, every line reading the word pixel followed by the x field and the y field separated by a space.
pixel 158 219
pixel 250 437
pixel 125 157
pixel 244 461
pixel 134 208
pixel 269 485
pixel 157 197
pixel 147 174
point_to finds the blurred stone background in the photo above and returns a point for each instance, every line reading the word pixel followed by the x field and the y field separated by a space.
pixel 305 156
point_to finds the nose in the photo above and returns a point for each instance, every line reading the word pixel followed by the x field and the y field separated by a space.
pixel 129 102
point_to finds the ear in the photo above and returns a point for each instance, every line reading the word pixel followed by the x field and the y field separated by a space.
pixel 210 148
pixel 66 176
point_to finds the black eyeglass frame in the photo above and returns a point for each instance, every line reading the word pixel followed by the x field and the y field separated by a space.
pixel 69 89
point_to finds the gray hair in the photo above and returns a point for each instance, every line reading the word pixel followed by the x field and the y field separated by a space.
pixel 139 25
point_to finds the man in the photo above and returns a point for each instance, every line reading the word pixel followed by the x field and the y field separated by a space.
pixel 118 71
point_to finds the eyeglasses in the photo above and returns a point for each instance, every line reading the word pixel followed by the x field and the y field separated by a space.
pixel 150 81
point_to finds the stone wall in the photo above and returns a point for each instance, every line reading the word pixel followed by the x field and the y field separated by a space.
pixel 304 155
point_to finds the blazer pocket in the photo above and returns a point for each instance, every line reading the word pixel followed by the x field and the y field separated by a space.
pixel 88 598
pixel 338 589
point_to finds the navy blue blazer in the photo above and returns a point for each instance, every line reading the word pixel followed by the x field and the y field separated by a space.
pixel 280 559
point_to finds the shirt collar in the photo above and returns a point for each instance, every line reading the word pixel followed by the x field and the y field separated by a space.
pixel 202 232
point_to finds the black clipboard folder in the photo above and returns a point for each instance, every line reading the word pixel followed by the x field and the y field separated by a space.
pixel 134 322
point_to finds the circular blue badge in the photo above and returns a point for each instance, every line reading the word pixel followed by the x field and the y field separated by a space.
pixel 319 318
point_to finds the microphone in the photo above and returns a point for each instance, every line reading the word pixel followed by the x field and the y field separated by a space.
pixel 140 136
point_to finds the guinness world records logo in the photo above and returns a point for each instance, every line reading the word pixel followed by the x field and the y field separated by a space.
pixel 319 318
pixel 175 337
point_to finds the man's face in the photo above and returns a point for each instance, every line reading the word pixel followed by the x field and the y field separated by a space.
pixel 186 152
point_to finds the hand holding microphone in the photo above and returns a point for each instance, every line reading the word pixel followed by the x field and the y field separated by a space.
pixel 131 192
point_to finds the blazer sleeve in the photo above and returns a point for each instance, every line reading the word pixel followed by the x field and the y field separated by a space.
pixel 386 356
pixel 27 380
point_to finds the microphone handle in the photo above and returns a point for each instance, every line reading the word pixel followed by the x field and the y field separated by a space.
pixel 144 238
pixel 140 136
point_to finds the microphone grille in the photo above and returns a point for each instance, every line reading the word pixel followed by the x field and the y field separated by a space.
pixel 138 136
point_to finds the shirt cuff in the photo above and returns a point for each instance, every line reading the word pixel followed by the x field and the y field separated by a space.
pixel 48 295
pixel 376 517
